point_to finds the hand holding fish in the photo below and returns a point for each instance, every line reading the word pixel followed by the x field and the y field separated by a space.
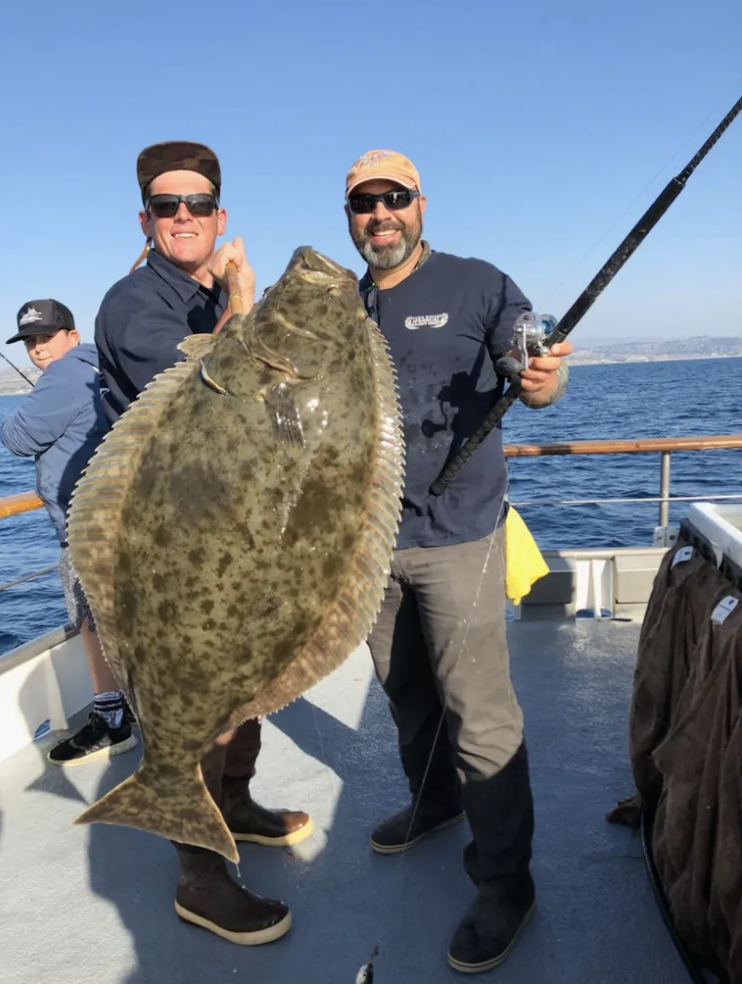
pixel 234 252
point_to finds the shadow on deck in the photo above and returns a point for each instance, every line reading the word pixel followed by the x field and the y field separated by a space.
pixel 94 905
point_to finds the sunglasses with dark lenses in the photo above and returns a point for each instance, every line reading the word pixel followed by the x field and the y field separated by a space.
pixel 363 204
pixel 165 206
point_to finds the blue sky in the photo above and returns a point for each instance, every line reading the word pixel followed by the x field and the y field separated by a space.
pixel 542 130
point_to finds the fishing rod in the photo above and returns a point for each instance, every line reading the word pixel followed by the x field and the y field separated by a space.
pixel 19 371
pixel 534 335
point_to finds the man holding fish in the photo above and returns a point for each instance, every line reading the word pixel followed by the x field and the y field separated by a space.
pixel 183 290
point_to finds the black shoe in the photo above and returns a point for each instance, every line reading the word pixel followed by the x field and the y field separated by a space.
pixel 401 832
pixel 95 740
pixel 489 930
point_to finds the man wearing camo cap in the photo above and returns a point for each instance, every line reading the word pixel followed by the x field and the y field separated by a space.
pixel 182 289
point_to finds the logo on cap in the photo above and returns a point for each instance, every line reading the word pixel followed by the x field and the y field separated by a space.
pixel 382 164
pixel 29 316
pixel 374 158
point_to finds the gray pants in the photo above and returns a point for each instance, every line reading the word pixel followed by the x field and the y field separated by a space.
pixel 440 652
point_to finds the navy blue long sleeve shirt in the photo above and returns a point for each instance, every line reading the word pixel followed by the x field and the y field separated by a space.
pixel 446 324
pixel 141 321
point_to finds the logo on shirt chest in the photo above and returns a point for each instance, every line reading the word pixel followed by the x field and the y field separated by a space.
pixel 426 321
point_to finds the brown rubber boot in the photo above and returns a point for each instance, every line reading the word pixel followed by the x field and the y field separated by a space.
pixel 208 897
pixel 249 822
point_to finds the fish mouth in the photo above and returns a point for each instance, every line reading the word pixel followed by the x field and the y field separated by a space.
pixel 316 267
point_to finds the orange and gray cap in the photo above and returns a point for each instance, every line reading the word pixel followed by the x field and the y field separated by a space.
pixel 382 165
pixel 177 155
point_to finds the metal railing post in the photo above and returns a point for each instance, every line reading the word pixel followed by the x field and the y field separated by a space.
pixel 665 487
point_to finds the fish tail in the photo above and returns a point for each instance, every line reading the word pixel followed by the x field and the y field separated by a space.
pixel 187 815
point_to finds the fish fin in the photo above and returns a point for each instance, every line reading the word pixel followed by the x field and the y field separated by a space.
pixel 93 525
pixel 197 346
pixel 284 415
pixel 349 619
pixel 211 383
pixel 187 816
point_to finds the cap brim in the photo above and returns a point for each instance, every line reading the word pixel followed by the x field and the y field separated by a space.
pixel 380 176
pixel 37 330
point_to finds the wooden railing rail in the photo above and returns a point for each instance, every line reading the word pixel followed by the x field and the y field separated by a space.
pixel 12 505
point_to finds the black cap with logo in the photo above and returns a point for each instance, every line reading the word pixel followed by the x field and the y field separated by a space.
pixel 42 318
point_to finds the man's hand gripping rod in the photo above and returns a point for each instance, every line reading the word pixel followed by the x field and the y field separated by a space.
pixel 535 334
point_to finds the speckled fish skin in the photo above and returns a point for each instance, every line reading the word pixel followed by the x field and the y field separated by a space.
pixel 234 532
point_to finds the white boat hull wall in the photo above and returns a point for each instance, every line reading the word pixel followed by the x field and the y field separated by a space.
pixel 46 680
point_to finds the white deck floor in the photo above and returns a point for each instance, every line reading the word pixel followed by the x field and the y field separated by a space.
pixel 82 905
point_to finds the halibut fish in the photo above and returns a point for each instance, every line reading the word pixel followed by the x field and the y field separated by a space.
pixel 234 531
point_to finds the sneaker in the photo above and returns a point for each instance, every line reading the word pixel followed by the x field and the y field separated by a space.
pixel 95 740
pixel 402 831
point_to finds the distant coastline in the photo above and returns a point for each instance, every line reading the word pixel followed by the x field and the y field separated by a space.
pixel 11 383
pixel 699 347
pixel 683 349
pixel 593 359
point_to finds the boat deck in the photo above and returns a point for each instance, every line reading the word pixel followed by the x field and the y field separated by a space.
pixel 94 905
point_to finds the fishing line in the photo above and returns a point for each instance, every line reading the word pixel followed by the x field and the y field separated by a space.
pixel 20 373
pixel 555 332
pixel 366 973
pixel 391 935
pixel 551 293
pixel 562 329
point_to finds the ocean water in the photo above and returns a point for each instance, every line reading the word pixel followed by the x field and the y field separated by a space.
pixel 660 399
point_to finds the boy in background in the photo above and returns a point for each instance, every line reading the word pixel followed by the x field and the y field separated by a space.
pixel 59 424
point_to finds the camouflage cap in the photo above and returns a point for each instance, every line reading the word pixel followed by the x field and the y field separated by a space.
pixel 177 155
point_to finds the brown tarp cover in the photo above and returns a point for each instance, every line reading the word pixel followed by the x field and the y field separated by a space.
pixel 685 745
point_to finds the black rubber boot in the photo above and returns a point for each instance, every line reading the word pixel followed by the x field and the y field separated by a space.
pixel 500 811
pixel 489 930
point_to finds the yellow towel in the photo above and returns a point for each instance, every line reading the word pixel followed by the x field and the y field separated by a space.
pixel 524 564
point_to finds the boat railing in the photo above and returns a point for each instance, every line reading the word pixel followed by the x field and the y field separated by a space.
pixel 664 446
pixel 14 505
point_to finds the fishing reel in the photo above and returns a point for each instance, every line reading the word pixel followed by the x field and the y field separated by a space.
pixel 532 335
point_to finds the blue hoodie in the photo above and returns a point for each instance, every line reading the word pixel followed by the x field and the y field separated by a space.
pixel 59 423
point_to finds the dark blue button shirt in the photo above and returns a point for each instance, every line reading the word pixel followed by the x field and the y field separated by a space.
pixel 140 323
pixel 446 324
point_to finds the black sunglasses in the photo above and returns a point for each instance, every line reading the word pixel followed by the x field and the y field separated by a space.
pixel 363 204
pixel 165 206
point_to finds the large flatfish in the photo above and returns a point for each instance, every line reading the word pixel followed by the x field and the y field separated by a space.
pixel 234 532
